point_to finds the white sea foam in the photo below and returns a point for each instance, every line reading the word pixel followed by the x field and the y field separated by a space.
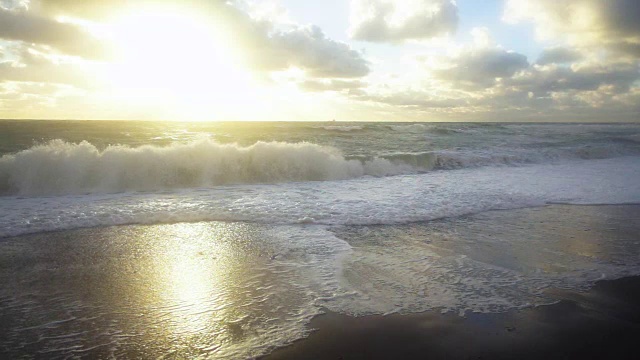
pixel 59 167
pixel 367 200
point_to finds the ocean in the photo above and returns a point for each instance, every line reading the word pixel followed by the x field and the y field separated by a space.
pixel 225 239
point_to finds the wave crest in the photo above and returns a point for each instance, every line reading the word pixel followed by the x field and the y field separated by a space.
pixel 59 167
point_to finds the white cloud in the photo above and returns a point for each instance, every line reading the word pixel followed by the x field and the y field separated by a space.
pixel 397 21
pixel 14 5
pixel 309 49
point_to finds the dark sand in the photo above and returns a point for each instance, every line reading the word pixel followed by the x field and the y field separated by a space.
pixel 603 323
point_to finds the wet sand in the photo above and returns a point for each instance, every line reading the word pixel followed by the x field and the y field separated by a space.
pixel 204 290
pixel 603 323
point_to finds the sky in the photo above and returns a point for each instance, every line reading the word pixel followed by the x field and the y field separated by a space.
pixel 295 60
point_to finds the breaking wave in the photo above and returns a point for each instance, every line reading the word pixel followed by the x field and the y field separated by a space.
pixel 60 167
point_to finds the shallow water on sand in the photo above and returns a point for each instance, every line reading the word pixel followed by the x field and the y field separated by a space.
pixel 239 290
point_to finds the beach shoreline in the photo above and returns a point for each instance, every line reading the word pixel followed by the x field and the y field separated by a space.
pixel 603 322
pixel 204 289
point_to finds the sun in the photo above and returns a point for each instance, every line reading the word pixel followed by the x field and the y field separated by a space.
pixel 177 59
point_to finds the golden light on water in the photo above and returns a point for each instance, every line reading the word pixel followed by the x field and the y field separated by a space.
pixel 192 283
pixel 193 279
pixel 184 290
pixel 182 278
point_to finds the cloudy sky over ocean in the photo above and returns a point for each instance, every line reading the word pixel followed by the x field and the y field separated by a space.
pixel 412 60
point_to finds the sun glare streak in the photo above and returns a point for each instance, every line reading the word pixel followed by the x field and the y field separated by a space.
pixel 192 283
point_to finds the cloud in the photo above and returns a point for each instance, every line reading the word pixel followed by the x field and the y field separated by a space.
pixel 397 21
pixel 270 46
pixel 30 65
pixel 86 9
pixel 14 5
pixel 310 50
pixel 559 55
pixel 480 67
pixel 612 24
pixel 31 28
pixel 331 85
pixel 488 82
pixel 263 44
pixel 619 77
pixel 412 99
pixel 590 70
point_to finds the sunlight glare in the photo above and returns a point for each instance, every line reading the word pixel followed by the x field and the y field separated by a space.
pixel 176 57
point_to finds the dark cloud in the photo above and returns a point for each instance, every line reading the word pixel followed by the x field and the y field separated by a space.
pixel 609 24
pixel 480 67
pixel 616 25
pixel 619 17
pixel 544 80
pixel 67 38
pixel 34 67
pixel 412 99
pixel 558 55
pixel 388 21
pixel 489 81
pixel 625 48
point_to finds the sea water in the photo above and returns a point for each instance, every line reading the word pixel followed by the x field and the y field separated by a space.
pixel 336 215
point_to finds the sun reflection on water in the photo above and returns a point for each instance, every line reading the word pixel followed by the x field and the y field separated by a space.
pixel 200 285
pixel 190 290
pixel 192 274
pixel 191 286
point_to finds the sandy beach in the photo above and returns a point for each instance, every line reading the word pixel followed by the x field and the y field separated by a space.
pixel 599 324
pixel 602 322
pixel 223 290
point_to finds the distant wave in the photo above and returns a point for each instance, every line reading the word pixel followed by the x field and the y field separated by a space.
pixel 426 128
pixel 59 167
pixel 409 127
pixel 635 138
pixel 343 128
